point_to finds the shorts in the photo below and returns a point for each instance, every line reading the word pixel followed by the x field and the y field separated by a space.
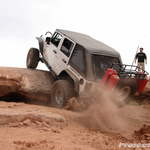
pixel 141 65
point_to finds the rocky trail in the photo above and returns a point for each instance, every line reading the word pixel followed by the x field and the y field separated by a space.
pixel 28 125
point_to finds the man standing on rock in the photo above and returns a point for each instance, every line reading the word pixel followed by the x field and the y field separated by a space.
pixel 142 59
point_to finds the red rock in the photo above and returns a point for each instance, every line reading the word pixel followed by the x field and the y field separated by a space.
pixel 27 122
pixel 29 83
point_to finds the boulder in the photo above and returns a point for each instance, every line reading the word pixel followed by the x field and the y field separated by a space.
pixel 25 83
pixel 32 84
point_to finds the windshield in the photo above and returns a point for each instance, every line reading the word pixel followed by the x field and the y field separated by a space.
pixel 101 64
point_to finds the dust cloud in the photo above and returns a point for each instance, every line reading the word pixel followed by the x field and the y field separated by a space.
pixel 103 114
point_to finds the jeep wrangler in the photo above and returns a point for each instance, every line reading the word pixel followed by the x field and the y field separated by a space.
pixel 81 65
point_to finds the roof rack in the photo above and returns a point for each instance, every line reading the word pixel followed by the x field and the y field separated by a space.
pixel 129 71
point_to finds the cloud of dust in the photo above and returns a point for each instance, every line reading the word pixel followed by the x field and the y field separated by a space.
pixel 103 114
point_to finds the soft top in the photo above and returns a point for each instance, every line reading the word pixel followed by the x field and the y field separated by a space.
pixel 90 44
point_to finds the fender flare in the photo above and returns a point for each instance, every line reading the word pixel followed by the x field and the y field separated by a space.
pixel 41 44
pixel 75 79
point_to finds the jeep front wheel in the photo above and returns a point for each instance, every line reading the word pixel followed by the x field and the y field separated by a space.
pixel 62 91
pixel 32 58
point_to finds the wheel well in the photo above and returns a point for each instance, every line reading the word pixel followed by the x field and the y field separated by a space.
pixel 70 76
pixel 65 75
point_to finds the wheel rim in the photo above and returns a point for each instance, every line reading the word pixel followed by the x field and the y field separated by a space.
pixel 124 93
pixel 59 96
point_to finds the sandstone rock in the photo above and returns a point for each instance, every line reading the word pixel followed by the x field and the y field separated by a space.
pixel 38 123
pixel 45 124
pixel 11 116
pixel 18 83
pixel 22 82
pixel 27 122
pixel 45 129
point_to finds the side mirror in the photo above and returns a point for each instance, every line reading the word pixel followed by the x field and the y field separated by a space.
pixel 48 39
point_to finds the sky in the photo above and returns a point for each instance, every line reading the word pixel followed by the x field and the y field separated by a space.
pixel 121 24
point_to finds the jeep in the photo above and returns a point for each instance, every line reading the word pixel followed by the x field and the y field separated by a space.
pixel 81 65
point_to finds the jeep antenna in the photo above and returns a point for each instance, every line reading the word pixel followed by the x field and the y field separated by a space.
pixel 135 55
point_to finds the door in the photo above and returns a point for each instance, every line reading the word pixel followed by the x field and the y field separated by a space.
pixel 50 52
pixel 63 55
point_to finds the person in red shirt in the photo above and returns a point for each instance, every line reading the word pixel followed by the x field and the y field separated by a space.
pixel 142 59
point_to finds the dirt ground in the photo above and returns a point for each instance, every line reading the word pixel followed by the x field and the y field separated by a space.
pixel 25 126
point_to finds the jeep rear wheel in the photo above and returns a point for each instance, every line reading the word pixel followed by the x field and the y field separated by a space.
pixel 62 91
pixel 32 58
pixel 125 90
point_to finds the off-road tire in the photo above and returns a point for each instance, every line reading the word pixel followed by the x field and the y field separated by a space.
pixel 62 91
pixel 127 87
pixel 32 58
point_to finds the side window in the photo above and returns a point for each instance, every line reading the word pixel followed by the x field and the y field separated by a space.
pixel 56 39
pixel 67 47
pixel 77 60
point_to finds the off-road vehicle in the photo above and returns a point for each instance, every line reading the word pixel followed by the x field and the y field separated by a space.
pixel 81 65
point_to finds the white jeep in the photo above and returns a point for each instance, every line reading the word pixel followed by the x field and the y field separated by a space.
pixel 78 62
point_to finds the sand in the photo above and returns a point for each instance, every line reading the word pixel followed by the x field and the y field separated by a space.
pixel 25 126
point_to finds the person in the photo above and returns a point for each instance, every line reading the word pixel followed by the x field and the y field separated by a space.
pixel 142 59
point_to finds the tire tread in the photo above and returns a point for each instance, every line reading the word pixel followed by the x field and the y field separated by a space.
pixel 34 58
pixel 67 89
